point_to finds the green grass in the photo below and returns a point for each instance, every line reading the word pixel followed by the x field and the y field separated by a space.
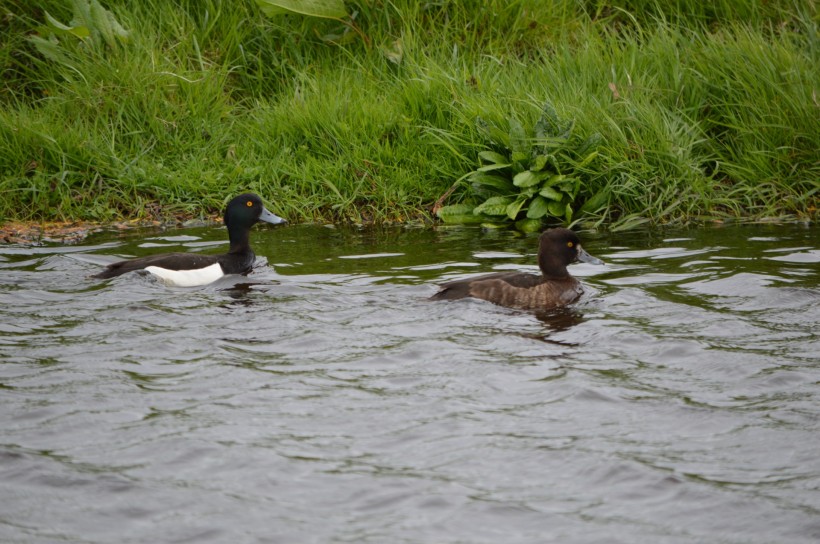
pixel 704 111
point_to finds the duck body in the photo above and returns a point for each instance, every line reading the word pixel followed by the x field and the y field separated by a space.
pixel 515 290
pixel 554 287
pixel 193 269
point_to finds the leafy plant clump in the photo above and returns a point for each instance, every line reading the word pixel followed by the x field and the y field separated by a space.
pixel 92 24
pixel 525 180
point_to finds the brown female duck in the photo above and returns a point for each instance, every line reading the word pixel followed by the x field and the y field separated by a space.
pixel 554 287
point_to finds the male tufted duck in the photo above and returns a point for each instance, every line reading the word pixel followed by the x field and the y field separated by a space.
pixel 193 269
pixel 555 287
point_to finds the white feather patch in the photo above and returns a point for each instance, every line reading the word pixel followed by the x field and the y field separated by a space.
pixel 187 278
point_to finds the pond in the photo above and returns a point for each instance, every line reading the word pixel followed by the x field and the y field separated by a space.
pixel 324 399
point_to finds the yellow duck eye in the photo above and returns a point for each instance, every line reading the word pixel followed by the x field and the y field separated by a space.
pixel 570 244
pixel 250 203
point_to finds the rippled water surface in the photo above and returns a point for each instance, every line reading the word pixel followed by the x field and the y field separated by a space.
pixel 324 399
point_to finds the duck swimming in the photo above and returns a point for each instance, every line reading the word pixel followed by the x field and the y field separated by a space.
pixel 554 287
pixel 193 269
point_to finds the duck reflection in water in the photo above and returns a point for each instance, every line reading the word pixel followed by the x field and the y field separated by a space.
pixel 560 319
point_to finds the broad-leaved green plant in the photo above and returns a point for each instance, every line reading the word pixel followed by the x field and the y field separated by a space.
pixel 528 178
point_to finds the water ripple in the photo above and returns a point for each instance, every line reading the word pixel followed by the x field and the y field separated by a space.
pixel 326 400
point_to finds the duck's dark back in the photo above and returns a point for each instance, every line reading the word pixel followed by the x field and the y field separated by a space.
pixel 170 261
pixel 514 290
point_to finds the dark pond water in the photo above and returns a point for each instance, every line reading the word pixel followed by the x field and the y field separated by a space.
pixel 325 400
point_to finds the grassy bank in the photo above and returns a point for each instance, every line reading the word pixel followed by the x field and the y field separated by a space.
pixel 701 111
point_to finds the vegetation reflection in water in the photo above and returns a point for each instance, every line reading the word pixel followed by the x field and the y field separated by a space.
pixel 325 399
